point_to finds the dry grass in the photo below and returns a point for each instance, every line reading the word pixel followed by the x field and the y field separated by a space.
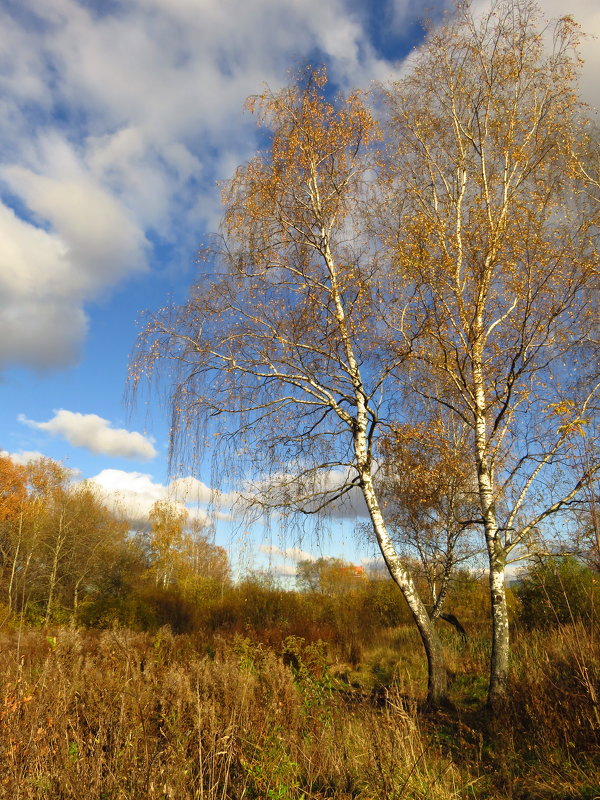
pixel 125 715
pixel 120 715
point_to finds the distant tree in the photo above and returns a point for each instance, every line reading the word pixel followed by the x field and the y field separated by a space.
pixel 13 508
pixel 181 553
pixel 13 487
pixel 205 569
pixel 331 576
pixel 167 525
pixel 52 532
pixel 558 590
pixel 57 539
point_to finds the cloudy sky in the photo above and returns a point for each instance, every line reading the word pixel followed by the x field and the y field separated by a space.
pixel 118 119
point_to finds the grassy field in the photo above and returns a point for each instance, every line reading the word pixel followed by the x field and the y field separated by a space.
pixel 118 714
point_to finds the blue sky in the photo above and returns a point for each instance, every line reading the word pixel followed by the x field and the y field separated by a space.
pixel 118 119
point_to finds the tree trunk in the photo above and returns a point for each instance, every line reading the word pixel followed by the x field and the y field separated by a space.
pixel 60 539
pixel 437 682
pixel 500 636
pixel 51 587
pixel 495 549
pixel 14 563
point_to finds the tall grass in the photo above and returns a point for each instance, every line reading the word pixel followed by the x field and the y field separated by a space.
pixel 118 715
pixel 126 715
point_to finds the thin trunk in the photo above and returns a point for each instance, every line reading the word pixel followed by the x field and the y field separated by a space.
pixel 51 587
pixel 500 626
pixel 439 598
pixel 496 552
pixel 54 572
pixel 14 563
pixel 437 682
pixel 76 595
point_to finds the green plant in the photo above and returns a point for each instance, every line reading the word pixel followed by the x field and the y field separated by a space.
pixel 556 591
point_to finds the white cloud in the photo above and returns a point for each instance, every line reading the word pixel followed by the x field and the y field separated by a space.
pixel 117 118
pixel 116 122
pixel 283 570
pixel 23 457
pixel 309 491
pixel 290 553
pixel 81 242
pixel 191 490
pixel 133 494
pixel 96 434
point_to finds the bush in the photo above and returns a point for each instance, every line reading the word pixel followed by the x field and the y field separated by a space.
pixel 556 591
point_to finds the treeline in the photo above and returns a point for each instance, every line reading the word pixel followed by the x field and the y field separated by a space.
pixel 66 557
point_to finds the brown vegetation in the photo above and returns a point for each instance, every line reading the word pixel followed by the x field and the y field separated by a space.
pixel 120 714
pixel 168 679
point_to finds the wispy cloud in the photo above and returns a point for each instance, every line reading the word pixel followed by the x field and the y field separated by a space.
pixel 96 435
pixel 289 553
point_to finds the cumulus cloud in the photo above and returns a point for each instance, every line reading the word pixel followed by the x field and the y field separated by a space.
pixel 133 494
pixel 117 119
pixel 329 490
pixel 96 435
pixel 23 457
pixel 190 490
pixel 289 553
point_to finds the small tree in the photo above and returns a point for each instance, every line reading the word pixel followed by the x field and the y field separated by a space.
pixel 166 540
pixel 556 591
pixel 488 215
pixel 58 539
pixel 431 499
pixel 13 502
pixel 286 343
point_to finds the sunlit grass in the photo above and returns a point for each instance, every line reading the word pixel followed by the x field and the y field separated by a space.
pixel 123 715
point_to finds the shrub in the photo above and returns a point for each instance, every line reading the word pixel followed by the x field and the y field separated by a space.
pixel 556 591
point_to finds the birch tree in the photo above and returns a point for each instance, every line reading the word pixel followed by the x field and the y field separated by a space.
pixel 489 223
pixel 281 353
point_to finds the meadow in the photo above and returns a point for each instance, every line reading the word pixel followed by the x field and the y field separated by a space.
pixel 259 712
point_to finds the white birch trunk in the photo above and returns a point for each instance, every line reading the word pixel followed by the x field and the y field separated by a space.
pixel 495 549
pixel 437 683
pixel 500 635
